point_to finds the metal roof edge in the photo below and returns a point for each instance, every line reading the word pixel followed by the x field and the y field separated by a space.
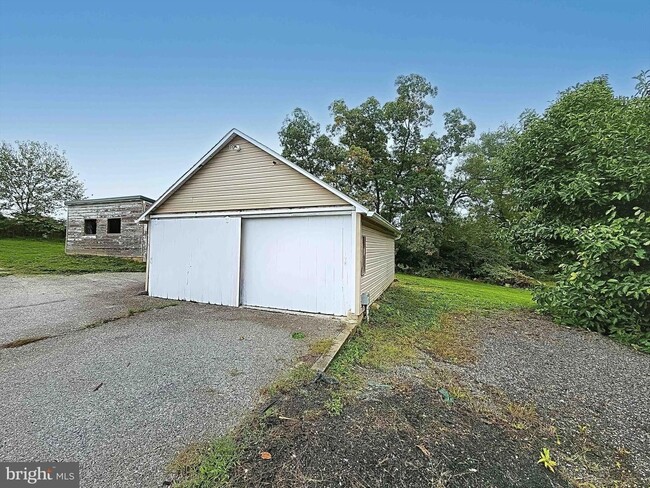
pixel 375 217
pixel 90 201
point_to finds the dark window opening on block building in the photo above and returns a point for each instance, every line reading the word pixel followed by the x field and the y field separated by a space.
pixel 114 226
pixel 90 226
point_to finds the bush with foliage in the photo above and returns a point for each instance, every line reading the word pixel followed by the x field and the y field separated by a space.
pixel 30 225
pixel 466 244
pixel 606 287
pixel 581 175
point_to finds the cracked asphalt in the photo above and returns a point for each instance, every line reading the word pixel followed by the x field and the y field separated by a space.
pixel 33 306
pixel 125 397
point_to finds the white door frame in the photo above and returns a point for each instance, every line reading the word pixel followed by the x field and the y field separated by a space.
pixel 352 296
pixel 304 263
pixel 194 261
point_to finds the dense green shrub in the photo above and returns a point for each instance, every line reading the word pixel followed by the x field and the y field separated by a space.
pixel 606 287
pixel 581 176
pixel 470 247
pixel 27 225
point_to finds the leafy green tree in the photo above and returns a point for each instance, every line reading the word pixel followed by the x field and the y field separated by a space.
pixel 362 137
pixel 35 178
pixel 643 83
pixel 581 176
pixel 479 184
pixel 587 153
pixel 476 238
pixel 303 143
pixel 386 157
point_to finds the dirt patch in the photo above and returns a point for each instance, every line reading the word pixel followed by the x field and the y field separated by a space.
pixel 405 435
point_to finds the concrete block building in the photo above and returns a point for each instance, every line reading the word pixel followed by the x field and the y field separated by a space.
pixel 107 227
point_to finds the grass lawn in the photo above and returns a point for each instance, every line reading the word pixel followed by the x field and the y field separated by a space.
pixel 37 256
pixel 414 314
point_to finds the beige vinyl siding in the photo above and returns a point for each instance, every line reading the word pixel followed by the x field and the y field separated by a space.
pixel 380 260
pixel 246 180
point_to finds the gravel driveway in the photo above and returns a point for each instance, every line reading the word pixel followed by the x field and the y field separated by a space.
pixel 124 397
pixel 573 376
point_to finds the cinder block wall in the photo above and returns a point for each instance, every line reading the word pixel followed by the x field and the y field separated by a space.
pixel 131 242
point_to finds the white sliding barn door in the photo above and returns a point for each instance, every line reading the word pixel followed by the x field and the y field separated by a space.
pixel 195 259
pixel 298 263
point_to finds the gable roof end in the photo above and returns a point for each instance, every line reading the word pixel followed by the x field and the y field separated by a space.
pixel 222 143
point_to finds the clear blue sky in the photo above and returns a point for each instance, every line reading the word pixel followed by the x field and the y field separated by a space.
pixel 136 92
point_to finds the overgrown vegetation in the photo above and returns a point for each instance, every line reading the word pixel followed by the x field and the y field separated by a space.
pixel 206 466
pixel 562 196
pixel 37 226
pixel 37 256
pixel 296 376
pixel 581 172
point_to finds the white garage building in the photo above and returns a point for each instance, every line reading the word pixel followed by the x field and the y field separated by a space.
pixel 245 226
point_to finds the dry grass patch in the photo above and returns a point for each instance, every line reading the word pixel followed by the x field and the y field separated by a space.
pixel 320 346
pixel 453 341
pixel 297 376
pixel 188 457
pixel 423 314
pixel 522 415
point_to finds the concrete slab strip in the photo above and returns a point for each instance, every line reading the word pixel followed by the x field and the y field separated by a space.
pixel 324 361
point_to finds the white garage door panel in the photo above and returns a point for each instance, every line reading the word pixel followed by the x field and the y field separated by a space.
pixel 298 263
pixel 195 259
